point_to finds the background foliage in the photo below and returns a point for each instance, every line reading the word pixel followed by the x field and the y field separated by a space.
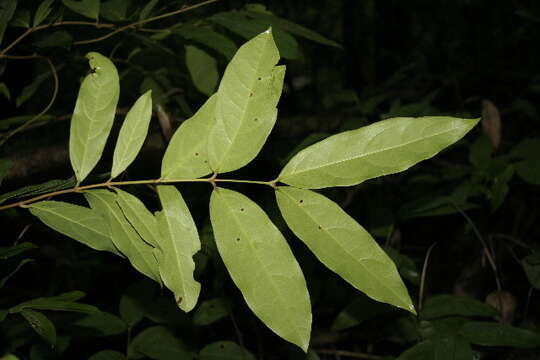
pixel 473 206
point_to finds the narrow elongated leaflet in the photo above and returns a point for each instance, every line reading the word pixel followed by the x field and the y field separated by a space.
pixel 41 324
pixel 142 220
pixel 246 104
pixel 93 115
pixel 186 156
pixel 78 222
pixel 178 243
pixel 262 265
pixel 203 69
pixel 132 134
pixel 124 236
pixel 341 244
pixel 383 148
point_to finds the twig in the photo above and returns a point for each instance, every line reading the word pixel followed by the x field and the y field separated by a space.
pixel 145 21
pixel 423 277
pixel 43 112
pixel 350 354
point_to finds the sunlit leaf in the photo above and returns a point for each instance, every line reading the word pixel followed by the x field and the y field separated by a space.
pixel 43 10
pixel 93 115
pixel 208 37
pixel 344 246
pixel 225 350
pixel 202 69
pixel 88 8
pixel 383 148
pixel 4 279
pixel 186 156
pixel 496 334
pixel 452 305
pixel 123 235
pixel 7 9
pixel 41 324
pixel 262 265
pixel 77 222
pixel 178 243
pixel 107 355
pixel 211 311
pixel 142 220
pixel 246 104
pixel 132 134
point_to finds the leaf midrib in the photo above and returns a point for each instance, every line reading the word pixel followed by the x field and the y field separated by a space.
pixel 257 257
pixel 345 250
pixel 366 154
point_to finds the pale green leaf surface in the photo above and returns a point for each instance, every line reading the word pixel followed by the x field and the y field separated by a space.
pixel 88 8
pixel 123 235
pixel 383 148
pixel 41 324
pixel 77 222
pixel 186 156
pixel 262 265
pixel 142 220
pixel 93 116
pixel 344 246
pixel 43 10
pixel 7 9
pixel 202 69
pixel 246 104
pixel 178 243
pixel 225 350
pixel 132 134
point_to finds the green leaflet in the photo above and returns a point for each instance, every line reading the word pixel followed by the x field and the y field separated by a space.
pixel 453 305
pixel 341 244
pixel 225 350
pixel 246 104
pixel 107 355
pixel 179 242
pixel 383 148
pixel 209 38
pixel 203 69
pixel 138 216
pixel 41 324
pixel 62 302
pixel 495 334
pixel 132 134
pixel 123 235
pixel 7 9
pixel 88 8
pixel 93 115
pixel 77 222
pixel 186 156
pixel 262 265
pixel 43 10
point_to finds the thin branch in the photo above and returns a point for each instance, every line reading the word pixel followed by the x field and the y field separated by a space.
pixel 423 277
pixel 43 112
pixel 211 180
pixel 145 21
pixel 350 354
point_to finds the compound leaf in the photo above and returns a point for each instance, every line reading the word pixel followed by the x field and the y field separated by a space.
pixel 179 242
pixel 262 265
pixel 344 246
pixel 383 148
pixel 123 235
pixel 132 133
pixel 93 115
pixel 41 324
pixel 246 104
pixel 203 69
pixel 77 222
pixel 186 156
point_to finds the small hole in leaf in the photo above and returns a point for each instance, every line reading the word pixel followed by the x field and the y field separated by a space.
pixel 320 228
pixel 206 161
pixel 260 78
pixel 301 201
pixel 237 239
pixel 250 94
pixel 196 154
pixel 241 209
pixel 256 119
pixel 222 346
